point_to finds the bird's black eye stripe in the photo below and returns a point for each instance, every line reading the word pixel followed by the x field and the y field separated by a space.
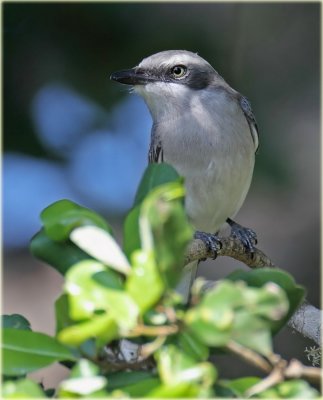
pixel 178 71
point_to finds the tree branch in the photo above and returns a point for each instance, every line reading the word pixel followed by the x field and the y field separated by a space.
pixel 231 248
pixel 306 319
pixel 277 368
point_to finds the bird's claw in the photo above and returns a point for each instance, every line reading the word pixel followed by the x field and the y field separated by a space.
pixel 246 236
pixel 211 241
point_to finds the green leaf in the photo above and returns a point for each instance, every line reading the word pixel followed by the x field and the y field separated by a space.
pixel 252 332
pixel 133 383
pixel 234 311
pixel 59 255
pixel 63 318
pixel 292 389
pixel 25 351
pixel 241 385
pixel 22 389
pixel 258 277
pixel 165 230
pixel 99 244
pixel 131 232
pixel 119 379
pixel 176 367
pixel 192 346
pixel 86 296
pixel 213 318
pixel 155 175
pixel 84 381
pixel 84 369
pixel 61 217
pixel 184 390
pixel 109 279
pixel 15 321
pixel 144 284
pixel 101 327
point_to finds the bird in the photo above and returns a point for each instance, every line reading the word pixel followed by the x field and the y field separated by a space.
pixel 207 131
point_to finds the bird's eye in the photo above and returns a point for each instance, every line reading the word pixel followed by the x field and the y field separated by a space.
pixel 179 71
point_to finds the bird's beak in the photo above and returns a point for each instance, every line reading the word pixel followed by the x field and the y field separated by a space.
pixel 131 77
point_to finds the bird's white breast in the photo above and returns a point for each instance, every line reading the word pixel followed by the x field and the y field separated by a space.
pixel 206 137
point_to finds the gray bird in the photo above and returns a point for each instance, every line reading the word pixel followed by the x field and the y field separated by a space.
pixel 206 130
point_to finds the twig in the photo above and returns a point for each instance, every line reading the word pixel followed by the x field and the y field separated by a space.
pixel 145 330
pixel 250 356
pixel 275 377
pixel 231 248
pixel 277 368
pixel 307 320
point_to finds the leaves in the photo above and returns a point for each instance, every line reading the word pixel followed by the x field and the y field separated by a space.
pixel 165 230
pixel 177 369
pixel 105 311
pixel 84 381
pixel 258 277
pixel 144 284
pixel 62 216
pixel 86 296
pixel 239 386
pixel 108 293
pixel 59 255
pixel 25 351
pixel 133 383
pixel 22 389
pixel 99 244
pixel 155 175
pixel 233 311
pixel 295 388
pixel 15 321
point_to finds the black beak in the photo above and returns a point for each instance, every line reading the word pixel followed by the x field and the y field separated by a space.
pixel 131 77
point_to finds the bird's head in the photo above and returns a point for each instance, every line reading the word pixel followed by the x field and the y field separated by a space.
pixel 167 80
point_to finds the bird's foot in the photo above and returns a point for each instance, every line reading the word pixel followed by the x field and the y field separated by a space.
pixel 246 235
pixel 211 241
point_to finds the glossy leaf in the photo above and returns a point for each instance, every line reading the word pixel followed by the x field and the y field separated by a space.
pixel 26 351
pixel 102 328
pixel 176 367
pixel 184 390
pixel 155 175
pixel 258 277
pixel 295 388
pixel 109 279
pixel 234 311
pixel 86 296
pixel 133 383
pixel 131 232
pixel 22 389
pixel 15 321
pixel 165 230
pixel 84 381
pixel 241 385
pixel 192 346
pixel 61 217
pixel 144 284
pixel 124 378
pixel 63 318
pixel 59 255
pixel 99 244
pixel 252 332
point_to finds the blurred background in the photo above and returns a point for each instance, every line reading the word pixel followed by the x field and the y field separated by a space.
pixel 69 132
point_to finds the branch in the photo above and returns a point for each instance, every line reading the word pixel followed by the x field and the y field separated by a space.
pixel 306 319
pixel 277 368
pixel 231 248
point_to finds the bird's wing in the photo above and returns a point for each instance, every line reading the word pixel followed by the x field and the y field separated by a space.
pixel 155 154
pixel 247 110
